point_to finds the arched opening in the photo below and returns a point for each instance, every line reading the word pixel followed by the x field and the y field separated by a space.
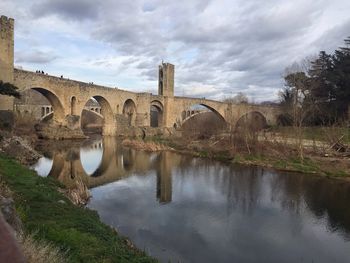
pixel 156 114
pixel 252 121
pixel 54 106
pixel 201 122
pixel 97 121
pixel 129 112
pixel 246 132
pixel 73 105
pixel 37 105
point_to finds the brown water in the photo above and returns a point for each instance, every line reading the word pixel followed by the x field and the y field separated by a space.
pixel 186 209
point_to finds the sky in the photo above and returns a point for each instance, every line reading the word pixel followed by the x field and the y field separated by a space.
pixel 218 47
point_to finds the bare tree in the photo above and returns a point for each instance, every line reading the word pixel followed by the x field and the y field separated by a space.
pixel 239 98
pixel 297 98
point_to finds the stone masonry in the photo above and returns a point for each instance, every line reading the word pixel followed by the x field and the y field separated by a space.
pixel 119 107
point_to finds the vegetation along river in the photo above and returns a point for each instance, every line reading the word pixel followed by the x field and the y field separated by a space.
pixel 184 209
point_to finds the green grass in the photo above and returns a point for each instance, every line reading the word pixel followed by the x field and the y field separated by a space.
pixel 49 214
pixel 307 165
pixel 295 164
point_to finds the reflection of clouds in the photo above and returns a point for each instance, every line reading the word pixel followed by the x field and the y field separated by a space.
pixel 197 225
pixel 43 166
pixel 91 157
pixel 218 212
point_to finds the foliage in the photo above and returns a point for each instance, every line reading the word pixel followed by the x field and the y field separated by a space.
pixel 321 88
pixel 9 89
pixel 49 214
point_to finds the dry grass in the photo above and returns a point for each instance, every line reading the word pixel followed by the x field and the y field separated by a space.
pixel 146 146
pixel 39 251
pixel 79 195
pixel 4 190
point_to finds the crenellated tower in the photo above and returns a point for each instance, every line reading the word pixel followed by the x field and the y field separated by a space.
pixel 166 79
pixel 6 58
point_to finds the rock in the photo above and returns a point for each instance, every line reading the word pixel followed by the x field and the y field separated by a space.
pixel 13 145
pixel 9 212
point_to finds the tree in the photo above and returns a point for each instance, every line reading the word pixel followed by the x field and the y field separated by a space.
pixel 239 98
pixel 286 104
pixel 9 89
pixel 297 100
pixel 322 89
pixel 340 78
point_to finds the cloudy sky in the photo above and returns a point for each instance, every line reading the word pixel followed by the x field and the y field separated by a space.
pixel 219 47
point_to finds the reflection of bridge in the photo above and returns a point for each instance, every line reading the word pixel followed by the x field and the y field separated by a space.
pixel 114 165
pixel 118 107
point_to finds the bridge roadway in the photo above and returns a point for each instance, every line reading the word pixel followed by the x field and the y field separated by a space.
pixel 68 99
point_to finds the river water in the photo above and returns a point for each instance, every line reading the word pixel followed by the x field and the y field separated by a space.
pixel 183 209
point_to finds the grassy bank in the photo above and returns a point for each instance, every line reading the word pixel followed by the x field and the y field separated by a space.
pixel 53 218
pixel 266 154
pixel 307 166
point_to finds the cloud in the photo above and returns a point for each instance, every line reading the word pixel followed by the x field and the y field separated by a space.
pixel 229 46
pixel 74 10
pixel 35 57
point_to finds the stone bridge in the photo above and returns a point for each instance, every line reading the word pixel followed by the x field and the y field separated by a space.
pixel 119 108
pixel 68 99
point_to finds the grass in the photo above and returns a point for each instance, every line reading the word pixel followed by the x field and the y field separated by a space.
pixel 52 217
pixel 293 164
pixel 39 251
pixel 317 133
pixel 266 156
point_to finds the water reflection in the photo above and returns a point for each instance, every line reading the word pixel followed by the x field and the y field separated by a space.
pixel 91 156
pixel 195 210
pixel 103 161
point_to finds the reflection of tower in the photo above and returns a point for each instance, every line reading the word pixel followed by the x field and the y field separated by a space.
pixel 164 180
pixel 166 79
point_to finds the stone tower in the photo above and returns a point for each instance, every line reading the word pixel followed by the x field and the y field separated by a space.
pixel 6 58
pixel 166 79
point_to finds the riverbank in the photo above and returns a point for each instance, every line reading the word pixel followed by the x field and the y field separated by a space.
pixel 270 154
pixel 52 218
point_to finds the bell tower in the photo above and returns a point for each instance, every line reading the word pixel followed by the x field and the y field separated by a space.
pixel 166 79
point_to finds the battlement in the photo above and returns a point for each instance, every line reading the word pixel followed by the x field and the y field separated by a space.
pixel 6 27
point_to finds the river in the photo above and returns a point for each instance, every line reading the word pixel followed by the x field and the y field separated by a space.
pixel 183 209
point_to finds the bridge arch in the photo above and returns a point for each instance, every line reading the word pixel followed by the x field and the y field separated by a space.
pixel 129 111
pixel 189 112
pixel 108 122
pixel 156 113
pixel 200 121
pixel 253 120
pixel 57 106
